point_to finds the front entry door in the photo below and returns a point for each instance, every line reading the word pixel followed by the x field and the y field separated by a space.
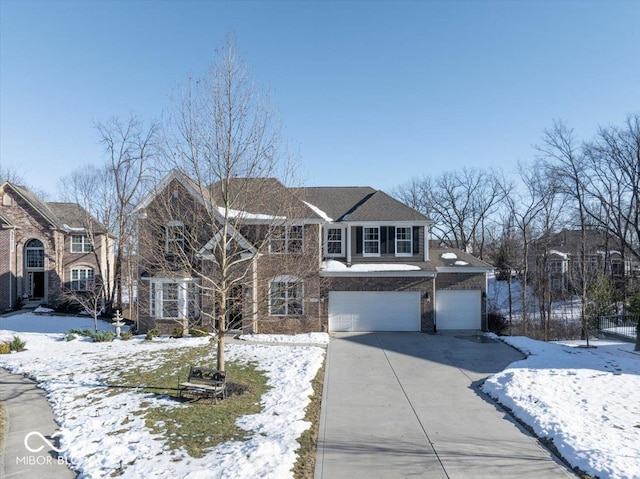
pixel 36 284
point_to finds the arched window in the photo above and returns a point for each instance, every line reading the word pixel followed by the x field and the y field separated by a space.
pixel 34 254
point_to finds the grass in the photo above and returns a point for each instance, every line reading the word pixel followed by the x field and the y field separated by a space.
pixel 305 465
pixel 201 425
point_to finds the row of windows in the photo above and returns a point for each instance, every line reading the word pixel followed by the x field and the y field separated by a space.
pixel 181 299
pixel 375 240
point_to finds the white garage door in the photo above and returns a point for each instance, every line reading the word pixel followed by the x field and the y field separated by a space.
pixel 458 310
pixel 374 311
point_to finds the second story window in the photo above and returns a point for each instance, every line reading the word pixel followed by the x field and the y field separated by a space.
pixel 174 237
pixel 286 239
pixel 404 241
pixel 80 244
pixel 371 241
pixel 334 242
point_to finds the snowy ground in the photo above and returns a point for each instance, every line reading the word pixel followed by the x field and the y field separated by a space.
pixel 101 430
pixel 585 400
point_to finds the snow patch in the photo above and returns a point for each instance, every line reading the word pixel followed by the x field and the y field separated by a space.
pixel 337 266
pixel 449 256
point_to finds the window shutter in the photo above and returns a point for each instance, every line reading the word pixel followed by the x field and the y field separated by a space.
pixel 416 239
pixel 391 239
pixel 358 239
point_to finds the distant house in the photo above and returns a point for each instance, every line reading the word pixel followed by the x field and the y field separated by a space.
pixel 45 248
pixel 373 267
pixel 559 256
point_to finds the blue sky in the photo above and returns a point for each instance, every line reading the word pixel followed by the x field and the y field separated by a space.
pixel 370 92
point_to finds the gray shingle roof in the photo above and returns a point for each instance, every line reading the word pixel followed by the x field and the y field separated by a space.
pixel 358 203
pixel 266 196
pixel 74 216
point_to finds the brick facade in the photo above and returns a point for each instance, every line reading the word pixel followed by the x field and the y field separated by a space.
pixel 16 279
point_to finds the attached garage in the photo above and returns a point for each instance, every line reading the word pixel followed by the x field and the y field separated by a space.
pixel 374 311
pixel 456 309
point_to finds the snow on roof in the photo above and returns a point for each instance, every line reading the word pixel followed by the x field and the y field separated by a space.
pixel 559 253
pixel 449 256
pixel 71 228
pixel 461 263
pixel 319 212
pixel 244 215
pixel 336 266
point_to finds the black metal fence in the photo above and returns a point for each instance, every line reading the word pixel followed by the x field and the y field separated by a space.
pixel 620 326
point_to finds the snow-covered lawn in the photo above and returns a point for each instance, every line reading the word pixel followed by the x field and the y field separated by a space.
pixel 103 429
pixel 586 400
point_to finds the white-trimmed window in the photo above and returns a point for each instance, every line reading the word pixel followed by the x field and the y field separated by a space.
pixel 556 266
pixel 34 254
pixel 286 296
pixel 80 244
pixel 174 237
pixel 170 298
pixel 286 239
pixel 371 241
pixel 82 279
pixel 404 241
pixel 334 241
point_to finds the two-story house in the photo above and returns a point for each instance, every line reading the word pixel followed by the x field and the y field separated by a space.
pixel 558 258
pixel 306 259
pixel 46 249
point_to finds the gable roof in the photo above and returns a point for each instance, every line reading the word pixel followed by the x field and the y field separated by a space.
pixel 358 203
pixel 62 216
pixel 36 203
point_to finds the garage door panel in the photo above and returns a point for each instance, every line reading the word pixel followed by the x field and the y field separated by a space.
pixel 458 309
pixel 374 311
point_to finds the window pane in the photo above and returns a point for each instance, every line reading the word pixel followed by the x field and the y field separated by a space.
pixel 170 300
pixel 334 241
pixel 403 240
pixel 278 298
pixel 296 235
pixel 277 240
pixel 371 244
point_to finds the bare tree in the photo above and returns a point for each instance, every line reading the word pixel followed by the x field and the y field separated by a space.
pixel 460 203
pixel 612 187
pixel 564 161
pixel 223 208
pixel 111 191
pixel 526 206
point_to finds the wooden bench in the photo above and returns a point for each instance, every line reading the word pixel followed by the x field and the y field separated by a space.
pixel 204 383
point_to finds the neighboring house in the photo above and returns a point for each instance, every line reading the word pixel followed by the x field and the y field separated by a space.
pixel 559 256
pixel 45 248
pixel 369 264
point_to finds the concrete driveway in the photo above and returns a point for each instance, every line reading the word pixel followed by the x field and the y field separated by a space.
pixel 407 405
